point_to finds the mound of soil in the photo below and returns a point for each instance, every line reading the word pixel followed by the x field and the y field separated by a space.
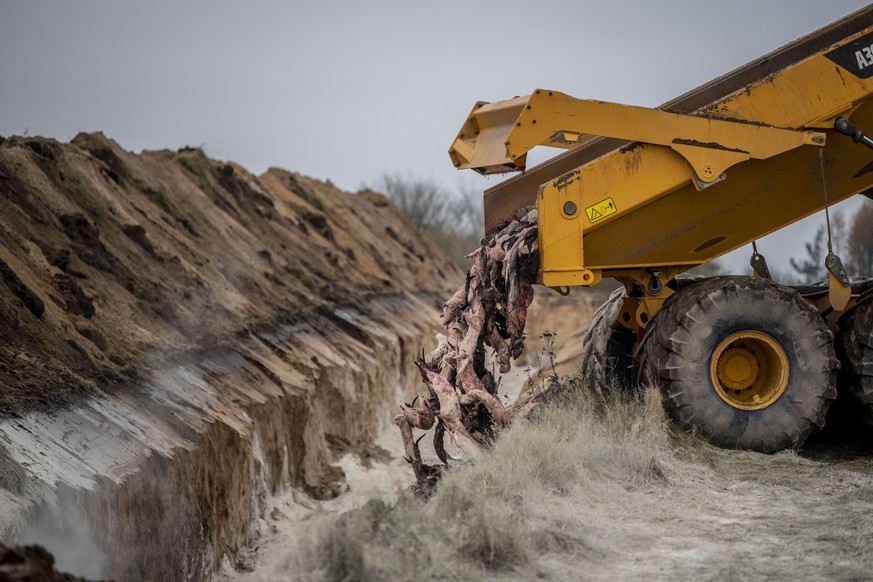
pixel 106 256
pixel 179 339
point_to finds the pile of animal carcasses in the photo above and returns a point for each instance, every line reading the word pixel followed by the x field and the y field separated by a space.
pixel 489 310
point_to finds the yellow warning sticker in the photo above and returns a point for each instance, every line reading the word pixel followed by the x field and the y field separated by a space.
pixel 600 210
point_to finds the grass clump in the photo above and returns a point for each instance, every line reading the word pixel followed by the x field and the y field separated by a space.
pixel 195 161
pixel 116 169
pixel 159 197
pixel 302 192
pixel 25 202
pixel 90 203
pixel 303 276
pixel 525 499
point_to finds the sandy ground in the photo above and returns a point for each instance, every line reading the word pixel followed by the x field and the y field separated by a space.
pixel 754 516
pixel 291 515
pixel 705 514
pixel 726 515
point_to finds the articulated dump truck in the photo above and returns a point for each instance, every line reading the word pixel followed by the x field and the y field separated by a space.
pixel 644 195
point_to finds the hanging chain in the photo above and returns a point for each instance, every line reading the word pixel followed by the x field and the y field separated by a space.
pixel 824 189
pixel 832 261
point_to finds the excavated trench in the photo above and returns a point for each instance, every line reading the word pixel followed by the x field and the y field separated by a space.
pixel 168 481
pixel 181 341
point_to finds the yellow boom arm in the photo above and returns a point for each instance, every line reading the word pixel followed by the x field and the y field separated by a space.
pixel 497 136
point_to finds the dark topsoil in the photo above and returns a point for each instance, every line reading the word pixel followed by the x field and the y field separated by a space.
pixel 30 564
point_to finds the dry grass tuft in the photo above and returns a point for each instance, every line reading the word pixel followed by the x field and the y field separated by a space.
pixel 598 490
pixel 515 504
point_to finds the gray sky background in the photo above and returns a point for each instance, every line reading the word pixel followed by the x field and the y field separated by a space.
pixel 349 91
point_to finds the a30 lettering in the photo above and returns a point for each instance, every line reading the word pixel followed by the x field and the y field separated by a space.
pixel 864 57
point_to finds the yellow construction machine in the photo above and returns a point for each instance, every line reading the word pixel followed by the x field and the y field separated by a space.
pixel 644 195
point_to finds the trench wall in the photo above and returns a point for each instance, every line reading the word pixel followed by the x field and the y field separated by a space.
pixel 180 338
pixel 168 481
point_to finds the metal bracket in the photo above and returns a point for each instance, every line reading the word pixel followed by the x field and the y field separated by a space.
pixel 839 290
pixel 700 184
pixel 759 263
pixel 835 266
pixel 646 295
pixel 654 285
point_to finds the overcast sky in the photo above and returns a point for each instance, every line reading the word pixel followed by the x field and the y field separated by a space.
pixel 348 91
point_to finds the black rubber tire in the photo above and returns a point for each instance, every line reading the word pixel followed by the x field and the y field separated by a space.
pixel 854 346
pixel 682 337
pixel 607 354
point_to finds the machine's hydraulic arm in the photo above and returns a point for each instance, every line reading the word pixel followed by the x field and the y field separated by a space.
pixel 846 127
pixel 497 136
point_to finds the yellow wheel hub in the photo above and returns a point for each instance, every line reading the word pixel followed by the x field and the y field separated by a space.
pixel 737 368
pixel 749 370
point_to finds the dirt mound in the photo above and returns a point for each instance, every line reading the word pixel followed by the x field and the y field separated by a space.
pixel 180 339
pixel 106 255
